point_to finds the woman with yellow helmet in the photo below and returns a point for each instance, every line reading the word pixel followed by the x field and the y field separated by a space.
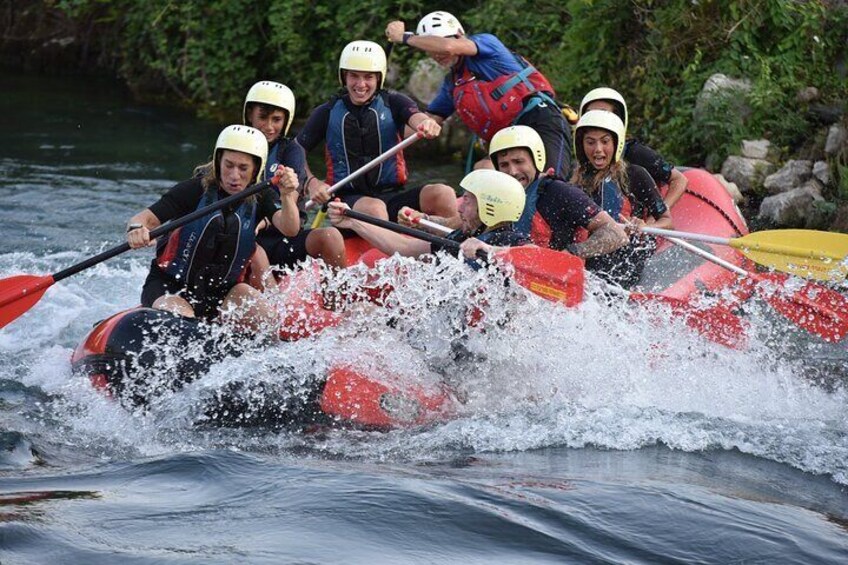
pixel 636 152
pixel 269 107
pixel 625 191
pixel 198 269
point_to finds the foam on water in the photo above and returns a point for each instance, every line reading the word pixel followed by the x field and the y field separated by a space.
pixel 540 375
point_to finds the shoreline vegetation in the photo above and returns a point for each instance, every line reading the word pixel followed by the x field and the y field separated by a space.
pixel 661 55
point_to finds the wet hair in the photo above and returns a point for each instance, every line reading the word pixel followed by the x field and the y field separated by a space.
pixel 591 180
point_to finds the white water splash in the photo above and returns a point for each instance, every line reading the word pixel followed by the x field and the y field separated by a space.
pixel 538 375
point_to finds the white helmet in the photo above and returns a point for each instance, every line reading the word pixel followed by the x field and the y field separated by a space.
pixel 272 94
pixel 599 119
pixel 244 139
pixel 609 95
pixel 365 56
pixel 515 137
pixel 441 24
pixel 500 198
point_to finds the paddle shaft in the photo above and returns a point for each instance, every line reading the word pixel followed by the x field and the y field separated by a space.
pixel 434 225
pixel 707 255
pixel 369 165
pixel 418 234
pixel 163 229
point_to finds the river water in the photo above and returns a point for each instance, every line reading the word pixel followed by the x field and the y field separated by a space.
pixel 590 435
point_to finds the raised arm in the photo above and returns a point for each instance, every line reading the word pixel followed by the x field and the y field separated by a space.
pixel 454 46
pixel 287 218
pixel 676 187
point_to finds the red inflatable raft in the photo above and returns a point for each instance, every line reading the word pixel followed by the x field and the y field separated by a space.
pixel 117 353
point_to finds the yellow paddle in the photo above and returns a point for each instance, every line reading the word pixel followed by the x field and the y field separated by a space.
pixel 805 253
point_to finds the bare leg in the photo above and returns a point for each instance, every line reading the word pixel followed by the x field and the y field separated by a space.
pixel 175 304
pixel 439 202
pixel 372 206
pixel 260 274
pixel 327 244
pixel 484 163
pixel 246 308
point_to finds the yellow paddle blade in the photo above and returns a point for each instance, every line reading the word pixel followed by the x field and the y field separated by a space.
pixel 812 254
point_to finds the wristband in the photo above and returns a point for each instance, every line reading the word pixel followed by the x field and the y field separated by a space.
pixel 406 36
pixel 132 227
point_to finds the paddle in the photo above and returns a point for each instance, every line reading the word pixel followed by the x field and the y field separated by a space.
pixel 816 308
pixel 319 217
pixel 551 274
pixel 717 323
pixel 806 253
pixel 20 292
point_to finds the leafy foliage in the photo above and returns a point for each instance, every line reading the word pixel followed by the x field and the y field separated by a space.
pixel 658 53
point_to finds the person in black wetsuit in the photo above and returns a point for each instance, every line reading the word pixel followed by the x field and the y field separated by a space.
pixel 362 122
pixel 636 152
pixel 625 191
pixel 199 267
pixel 269 107
pixel 491 204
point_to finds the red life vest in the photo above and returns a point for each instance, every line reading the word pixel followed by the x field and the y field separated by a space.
pixel 487 107
pixel 540 231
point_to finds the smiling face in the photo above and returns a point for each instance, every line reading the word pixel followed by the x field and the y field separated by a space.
pixel 271 121
pixel 517 163
pixel 469 216
pixel 361 86
pixel 599 147
pixel 237 170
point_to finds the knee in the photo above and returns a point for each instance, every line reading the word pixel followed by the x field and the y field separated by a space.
pixel 327 244
pixel 174 304
pixel 484 164
pixel 325 239
pixel 437 193
pixel 438 199
pixel 372 207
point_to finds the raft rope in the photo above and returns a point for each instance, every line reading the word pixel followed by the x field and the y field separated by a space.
pixel 719 209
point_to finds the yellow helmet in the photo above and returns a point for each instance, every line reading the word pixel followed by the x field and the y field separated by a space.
pixel 609 95
pixel 272 94
pixel 244 139
pixel 441 24
pixel 599 119
pixel 500 198
pixel 515 137
pixel 364 56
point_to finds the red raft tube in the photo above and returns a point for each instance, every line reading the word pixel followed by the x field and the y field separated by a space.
pixel 137 355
